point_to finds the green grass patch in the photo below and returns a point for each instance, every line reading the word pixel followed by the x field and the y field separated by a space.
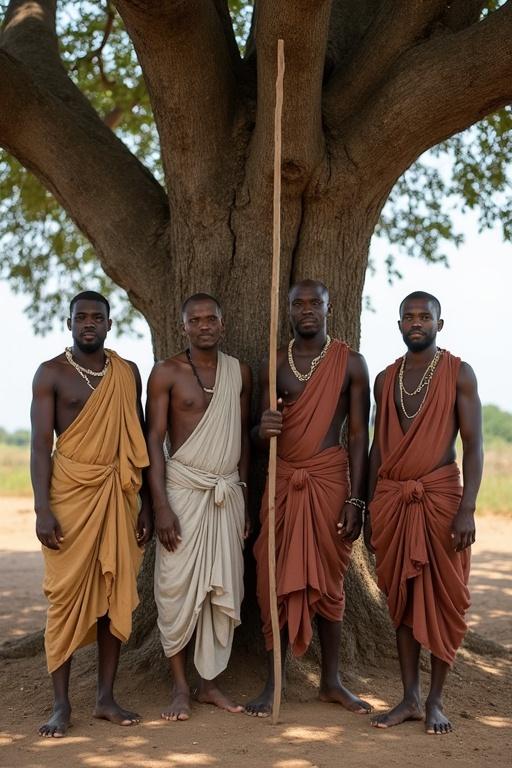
pixel 14 471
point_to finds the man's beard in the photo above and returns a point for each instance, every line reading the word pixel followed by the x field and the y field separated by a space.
pixel 418 345
pixel 89 346
pixel 307 333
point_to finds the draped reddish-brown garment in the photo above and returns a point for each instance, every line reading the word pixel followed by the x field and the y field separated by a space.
pixel 424 579
pixel 311 487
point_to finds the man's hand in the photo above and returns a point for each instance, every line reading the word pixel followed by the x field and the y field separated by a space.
pixel 351 520
pixel 247 525
pixel 367 533
pixel 48 530
pixel 167 528
pixel 271 423
pixel 463 528
pixel 144 525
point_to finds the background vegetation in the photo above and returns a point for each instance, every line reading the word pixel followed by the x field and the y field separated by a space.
pixel 495 494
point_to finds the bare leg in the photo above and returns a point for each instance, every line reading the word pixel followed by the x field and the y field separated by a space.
pixel 209 693
pixel 435 720
pixel 179 708
pixel 59 722
pixel 410 706
pixel 331 689
pixel 109 648
pixel 261 706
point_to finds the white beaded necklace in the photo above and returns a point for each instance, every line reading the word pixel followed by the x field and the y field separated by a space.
pixel 86 372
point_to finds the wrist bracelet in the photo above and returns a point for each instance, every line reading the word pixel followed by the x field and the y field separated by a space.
pixel 359 503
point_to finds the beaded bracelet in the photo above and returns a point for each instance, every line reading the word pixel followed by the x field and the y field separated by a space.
pixel 359 503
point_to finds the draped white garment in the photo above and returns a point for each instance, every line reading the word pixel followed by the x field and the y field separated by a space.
pixel 200 585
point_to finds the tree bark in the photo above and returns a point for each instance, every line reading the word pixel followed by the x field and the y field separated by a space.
pixel 369 85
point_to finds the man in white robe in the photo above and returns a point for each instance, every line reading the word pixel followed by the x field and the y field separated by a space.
pixel 198 404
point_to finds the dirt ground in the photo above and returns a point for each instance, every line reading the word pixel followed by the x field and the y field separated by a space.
pixel 311 734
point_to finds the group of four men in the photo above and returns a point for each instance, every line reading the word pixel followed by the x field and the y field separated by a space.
pixel 418 518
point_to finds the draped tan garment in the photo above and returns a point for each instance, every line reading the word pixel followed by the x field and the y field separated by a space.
pixel 415 500
pixel 200 585
pixel 311 488
pixel 96 474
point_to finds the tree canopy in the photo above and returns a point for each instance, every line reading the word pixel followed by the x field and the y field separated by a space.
pixel 45 255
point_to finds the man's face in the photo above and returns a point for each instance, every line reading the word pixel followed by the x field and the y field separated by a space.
pixel 203 324
pixel 89 324
pixel 419 324
pixel 309 308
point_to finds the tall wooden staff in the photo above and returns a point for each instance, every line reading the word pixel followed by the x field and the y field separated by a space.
pixel 272 383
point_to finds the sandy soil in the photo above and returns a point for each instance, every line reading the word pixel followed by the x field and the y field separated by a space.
pixel 310 733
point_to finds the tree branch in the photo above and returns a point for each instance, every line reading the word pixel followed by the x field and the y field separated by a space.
pixel 111 197
pixel 436 90
pixel 182 48
pixel 397 25
pixel 304 25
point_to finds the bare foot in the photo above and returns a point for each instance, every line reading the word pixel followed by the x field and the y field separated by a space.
pixel 406 710
pixel 179 708
pixel 338 694
pixel 435 720
pixel 58 723
pixel 209 694
pixel 110 710
pixel 261 706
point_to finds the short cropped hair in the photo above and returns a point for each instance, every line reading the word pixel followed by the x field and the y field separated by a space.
pixel 199 297
pixel 422 295
pixel 311 284
pixel 89 296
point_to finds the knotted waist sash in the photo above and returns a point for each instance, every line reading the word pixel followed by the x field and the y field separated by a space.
pixel 424 579
pixel 311 559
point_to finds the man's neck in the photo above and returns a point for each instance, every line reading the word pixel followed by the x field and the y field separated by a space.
pixel 94 360
pixel 418 359
pixel 204 357
pixel 311 345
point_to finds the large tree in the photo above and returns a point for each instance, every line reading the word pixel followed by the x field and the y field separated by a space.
pixel 369 86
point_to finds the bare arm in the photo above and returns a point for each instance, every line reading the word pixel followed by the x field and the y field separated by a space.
pixel 375 461
pixel 145 518
pixel 159 392
pixel 42 415
pixel 271 422
pixel 245 454
pixel 351 518
pixel 469 415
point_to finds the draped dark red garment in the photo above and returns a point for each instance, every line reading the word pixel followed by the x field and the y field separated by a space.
pixel 424 579
pixel 311 487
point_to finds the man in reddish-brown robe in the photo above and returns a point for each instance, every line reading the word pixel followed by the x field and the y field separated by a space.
pixel 422 522
pixel 320 383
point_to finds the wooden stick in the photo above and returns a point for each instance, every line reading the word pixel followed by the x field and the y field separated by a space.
pixel 272 383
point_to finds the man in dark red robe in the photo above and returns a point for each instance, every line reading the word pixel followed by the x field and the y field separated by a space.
pixel 321 383
pixel 421 522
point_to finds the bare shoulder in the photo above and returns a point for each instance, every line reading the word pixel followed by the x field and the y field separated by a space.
pixel 466 378
pixel 356 361
pixel 245 371
pixel 133 366
pixel 166 371
pixel 379 384
pixel 51 370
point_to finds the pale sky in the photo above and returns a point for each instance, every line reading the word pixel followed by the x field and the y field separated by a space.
pixel 474 294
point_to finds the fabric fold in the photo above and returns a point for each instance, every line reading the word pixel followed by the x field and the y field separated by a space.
pixel 199 587
pixel 96 475
pixel 424 579
pixel 311 487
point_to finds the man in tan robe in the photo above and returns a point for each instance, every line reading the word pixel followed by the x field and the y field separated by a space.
pixel 88 519
pixel 320 489
pixel 200 401
pixel 421 521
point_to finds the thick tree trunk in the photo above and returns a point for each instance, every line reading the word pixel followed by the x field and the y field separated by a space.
pixel 326 238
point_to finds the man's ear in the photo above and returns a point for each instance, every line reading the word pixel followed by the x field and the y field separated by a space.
pixel 399 323
pixel 109 324
pixel 440 324
pixel 68 323
pixel 329 309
